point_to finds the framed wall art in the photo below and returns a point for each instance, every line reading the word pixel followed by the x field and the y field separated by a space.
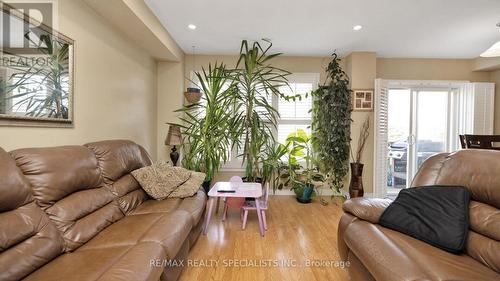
pixel 362 100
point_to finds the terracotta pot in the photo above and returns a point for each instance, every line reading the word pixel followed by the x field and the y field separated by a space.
pixel 356 184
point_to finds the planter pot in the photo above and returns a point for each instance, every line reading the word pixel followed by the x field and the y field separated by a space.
pixel 193 95
pixel 307 192
pixel 356 184
pixel 206 186
pixel 259 180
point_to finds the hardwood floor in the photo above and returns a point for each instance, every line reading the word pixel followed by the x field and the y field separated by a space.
pixel 297 233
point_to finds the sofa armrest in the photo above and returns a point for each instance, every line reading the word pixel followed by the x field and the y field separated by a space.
pixel 368 209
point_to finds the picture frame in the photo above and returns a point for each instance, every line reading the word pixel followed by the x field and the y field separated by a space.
pixel 36 77
pixel 362 100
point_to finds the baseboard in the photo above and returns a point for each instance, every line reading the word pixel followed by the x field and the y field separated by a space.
pixel 324 192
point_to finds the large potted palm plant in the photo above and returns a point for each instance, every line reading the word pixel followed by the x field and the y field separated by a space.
pixel 256 82
pixel 207 125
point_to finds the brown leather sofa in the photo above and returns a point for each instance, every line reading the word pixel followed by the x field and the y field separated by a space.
pixel 76 213
pixel 378 253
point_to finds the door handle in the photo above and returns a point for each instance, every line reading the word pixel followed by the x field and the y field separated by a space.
pixel 411 139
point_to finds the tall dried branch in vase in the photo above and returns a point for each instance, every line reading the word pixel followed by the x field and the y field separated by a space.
pixel 364 133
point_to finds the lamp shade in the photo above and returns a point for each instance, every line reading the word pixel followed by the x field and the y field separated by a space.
pixel 493 51
pixel 174 136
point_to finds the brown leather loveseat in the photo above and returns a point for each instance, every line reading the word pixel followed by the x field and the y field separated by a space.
pixel 76 213
pixel 378 253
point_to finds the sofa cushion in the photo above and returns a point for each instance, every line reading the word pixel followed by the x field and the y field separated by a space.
pixel 161 179
pixel 168 230
pixel 476 169
pixel 132 262
pixel 116 159
pixel 56 172
pixel 390 255
pixel 67 184
pixel 28 239
pixel 190 187
pixel 194 205
pixel 368 209
pixel 438 215
pixel 15 190
pixel 157 206
pixel 129 192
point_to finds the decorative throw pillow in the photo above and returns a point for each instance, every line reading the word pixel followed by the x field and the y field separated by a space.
pixel 190 187
pixel 437 215
pixel 161 179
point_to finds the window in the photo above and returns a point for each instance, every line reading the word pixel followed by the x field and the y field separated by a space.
pixel 296 115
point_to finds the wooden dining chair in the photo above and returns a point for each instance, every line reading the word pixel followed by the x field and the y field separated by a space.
pixel 463 144
pixel 491 142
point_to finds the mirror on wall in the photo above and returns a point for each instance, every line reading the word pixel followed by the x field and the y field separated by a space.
pixel 36 72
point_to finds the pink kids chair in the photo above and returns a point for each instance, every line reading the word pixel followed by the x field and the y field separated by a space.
pixel 250 205
pixel 234 203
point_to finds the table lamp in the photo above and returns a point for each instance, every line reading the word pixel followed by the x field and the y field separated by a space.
pixel 174 138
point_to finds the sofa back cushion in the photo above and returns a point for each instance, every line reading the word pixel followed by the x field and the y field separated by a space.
pixel 473 168
pixel 28 239
pixel 478 170
pixel 68 185
pixel 116 160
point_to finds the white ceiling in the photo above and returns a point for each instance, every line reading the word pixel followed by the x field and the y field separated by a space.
pixel 392 28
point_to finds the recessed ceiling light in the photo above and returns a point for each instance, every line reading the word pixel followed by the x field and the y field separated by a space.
pixel 357 27
pixel 493 51
pixel 192 26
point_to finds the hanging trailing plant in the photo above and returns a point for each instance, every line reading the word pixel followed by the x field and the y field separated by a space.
pixel 332 124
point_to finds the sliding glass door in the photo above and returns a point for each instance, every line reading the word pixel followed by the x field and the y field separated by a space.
pixel 418 127
pixel 417 119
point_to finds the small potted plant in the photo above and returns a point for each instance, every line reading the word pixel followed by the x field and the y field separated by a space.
pixel 303 180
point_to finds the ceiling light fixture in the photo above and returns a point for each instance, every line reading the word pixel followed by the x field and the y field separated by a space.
pixel 493 51
pixel 357 27
pixel 192 26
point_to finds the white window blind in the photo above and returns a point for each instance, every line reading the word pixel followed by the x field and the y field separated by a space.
pixel 296 114
pixel 300 108
pixel 381 137
pixel 484 101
